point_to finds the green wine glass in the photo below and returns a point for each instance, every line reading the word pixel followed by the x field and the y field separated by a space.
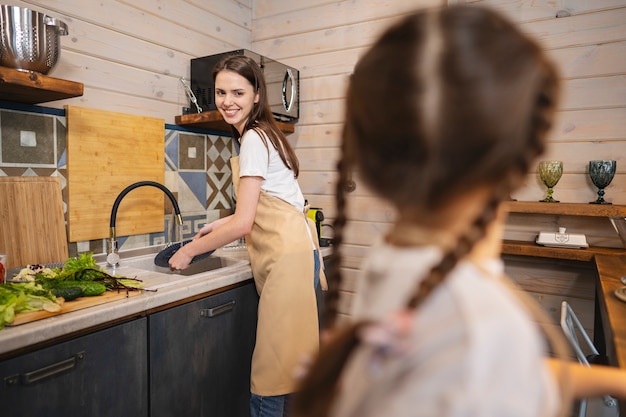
pixel 550 173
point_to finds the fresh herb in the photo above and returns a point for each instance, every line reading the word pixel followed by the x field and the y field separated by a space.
pixel 24 297
pixel 35 292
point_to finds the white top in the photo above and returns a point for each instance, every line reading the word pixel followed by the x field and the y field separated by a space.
pixel 473 349
pixel 278 180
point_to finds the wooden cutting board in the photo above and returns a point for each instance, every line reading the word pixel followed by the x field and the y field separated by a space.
pixel 69 306
pixel 33 226
pixel 106 152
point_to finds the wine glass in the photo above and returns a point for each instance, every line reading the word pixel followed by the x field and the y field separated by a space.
pixel 550 173
pixel 601 173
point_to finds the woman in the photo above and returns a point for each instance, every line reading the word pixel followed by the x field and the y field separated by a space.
pixel 446 115
pixel 281 241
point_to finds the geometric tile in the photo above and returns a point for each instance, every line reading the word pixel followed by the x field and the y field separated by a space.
pixel 29 173
pixel 14 171
pixel 218 153
pixel 191 151
pixel 44 172
pixel 61 141
pixel 218 190
pixel 196 182
pixel 62 159
pixel 27 139
pixel 171 150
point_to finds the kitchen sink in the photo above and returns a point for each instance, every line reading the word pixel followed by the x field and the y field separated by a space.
pixel 142 267
pixel 211 263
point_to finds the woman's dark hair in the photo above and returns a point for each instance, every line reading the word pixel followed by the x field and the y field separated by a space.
pixel 261 118
pixel 445 102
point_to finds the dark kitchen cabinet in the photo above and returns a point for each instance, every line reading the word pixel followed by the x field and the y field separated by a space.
pixel 96 375
pixel 200 355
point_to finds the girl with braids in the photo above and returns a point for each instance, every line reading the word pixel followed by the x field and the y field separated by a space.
pixel 463 103
pixel 281 241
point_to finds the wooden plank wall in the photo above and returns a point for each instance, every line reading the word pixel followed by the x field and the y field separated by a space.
pixel 324 40
pixel 130 54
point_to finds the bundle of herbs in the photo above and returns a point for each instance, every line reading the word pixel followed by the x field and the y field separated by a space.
pixel 37 287
pixel 84 268
pixel 81 269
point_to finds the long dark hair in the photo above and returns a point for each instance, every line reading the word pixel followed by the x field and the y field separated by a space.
pixel 445 102
pixel 261 118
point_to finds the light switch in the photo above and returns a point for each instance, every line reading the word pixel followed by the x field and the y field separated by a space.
pixel 191 152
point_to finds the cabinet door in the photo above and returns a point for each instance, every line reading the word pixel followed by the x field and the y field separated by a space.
pixel 200 356
pixel 100 374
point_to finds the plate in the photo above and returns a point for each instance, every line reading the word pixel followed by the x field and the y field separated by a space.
pixel 562 240
pixel 621 293
pixel 162 258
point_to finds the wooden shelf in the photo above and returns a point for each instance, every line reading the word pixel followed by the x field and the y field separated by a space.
pixel 568 209
pixel 511 247
pixel 32 88
pixel 213 120
pixel 524 248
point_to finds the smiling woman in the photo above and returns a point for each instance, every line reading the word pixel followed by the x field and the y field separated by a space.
pixel 282 242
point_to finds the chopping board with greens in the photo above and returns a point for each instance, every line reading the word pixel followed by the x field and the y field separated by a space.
pixel 37 291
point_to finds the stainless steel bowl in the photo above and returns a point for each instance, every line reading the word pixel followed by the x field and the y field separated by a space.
pixel 29 40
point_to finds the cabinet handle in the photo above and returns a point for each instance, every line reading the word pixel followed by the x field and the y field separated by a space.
pixel 45 372
pixel 216 311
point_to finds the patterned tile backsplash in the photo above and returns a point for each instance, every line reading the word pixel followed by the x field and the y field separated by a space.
pixel 197 171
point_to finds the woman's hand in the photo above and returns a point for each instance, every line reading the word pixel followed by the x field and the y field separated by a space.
pixel 180 260
pixel 225 230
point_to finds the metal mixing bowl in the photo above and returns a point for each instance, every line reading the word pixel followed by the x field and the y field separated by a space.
pixel 29 40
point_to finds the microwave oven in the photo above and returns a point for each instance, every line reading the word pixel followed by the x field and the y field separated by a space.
pixel 283 84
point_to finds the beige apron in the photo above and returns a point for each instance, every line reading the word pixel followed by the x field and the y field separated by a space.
pixel 281 256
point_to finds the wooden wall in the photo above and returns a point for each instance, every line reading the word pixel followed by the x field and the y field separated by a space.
pixel 130 54
pixel 325 39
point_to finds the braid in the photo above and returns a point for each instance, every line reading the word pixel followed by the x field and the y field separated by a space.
pixel 332 298
pixel 318 388
pixel 450 259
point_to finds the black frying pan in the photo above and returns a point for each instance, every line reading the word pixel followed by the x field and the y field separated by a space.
pixel 163 258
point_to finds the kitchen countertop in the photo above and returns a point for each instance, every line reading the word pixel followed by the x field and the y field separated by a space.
pixel 612 309
pixel 13 338
pixel 611 328
pixel 170 288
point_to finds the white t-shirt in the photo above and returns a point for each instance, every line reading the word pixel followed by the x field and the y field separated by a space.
pixel 473 350
pixel 278 180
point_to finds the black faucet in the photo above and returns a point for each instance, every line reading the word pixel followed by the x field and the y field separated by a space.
pixel 113 258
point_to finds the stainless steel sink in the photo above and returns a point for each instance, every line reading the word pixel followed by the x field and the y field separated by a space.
pixel 140 264
pixel 211 263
